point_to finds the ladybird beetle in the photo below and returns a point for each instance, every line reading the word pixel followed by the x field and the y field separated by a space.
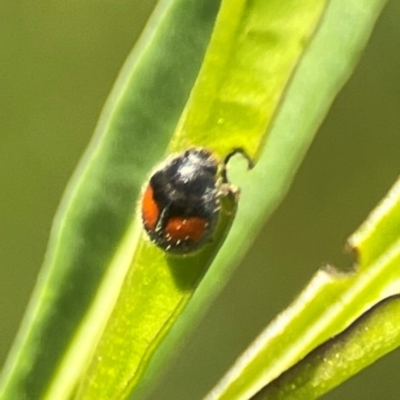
pixel 180 204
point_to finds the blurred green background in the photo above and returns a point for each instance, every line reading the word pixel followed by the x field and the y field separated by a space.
pixel 58 61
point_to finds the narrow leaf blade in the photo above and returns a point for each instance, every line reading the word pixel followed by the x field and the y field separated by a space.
pixel 92 240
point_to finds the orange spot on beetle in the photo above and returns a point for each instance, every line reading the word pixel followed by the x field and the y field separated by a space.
pixel 150 210
pixel 191 228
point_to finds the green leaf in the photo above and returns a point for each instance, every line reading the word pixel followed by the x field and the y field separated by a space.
pixel 231 105
pixel 92 240
pixel 255 47
pixel 372 336
pixel 332 300
pixel 97 234
pixel 377 332
pixel 326 64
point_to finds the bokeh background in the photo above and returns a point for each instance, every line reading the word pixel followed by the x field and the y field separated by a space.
pixel 58 61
